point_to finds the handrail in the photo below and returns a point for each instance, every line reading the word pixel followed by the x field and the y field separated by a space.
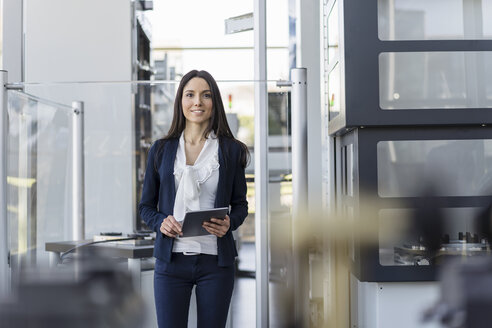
pixel 144 82
pixel 40 100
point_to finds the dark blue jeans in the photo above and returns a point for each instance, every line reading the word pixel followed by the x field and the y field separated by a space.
pixel 174 281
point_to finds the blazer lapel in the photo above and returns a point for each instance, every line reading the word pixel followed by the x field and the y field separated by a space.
pixel 168 160
pixel 219 196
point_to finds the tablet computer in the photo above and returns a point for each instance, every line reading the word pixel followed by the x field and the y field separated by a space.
pixel 192 223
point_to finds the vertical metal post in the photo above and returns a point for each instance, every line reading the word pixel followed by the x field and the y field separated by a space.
pixel 78 219
pixel 25 229
pixel 261 164
pixel 300 195
pixel 4 237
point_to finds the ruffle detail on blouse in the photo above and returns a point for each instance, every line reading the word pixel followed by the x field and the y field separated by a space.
pixel 203 173
pixel 200 174
pixel 190 178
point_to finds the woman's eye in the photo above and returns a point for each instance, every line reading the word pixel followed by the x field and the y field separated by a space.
pixel 189 95
pixel 207 95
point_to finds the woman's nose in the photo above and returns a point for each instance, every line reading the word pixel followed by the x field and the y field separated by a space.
pixel 197 101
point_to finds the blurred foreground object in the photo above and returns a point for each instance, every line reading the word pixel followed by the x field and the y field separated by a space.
pixel 466 285
pixel 466 294
pixel 93 293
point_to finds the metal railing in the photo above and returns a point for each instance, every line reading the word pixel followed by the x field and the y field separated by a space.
pixel 26 130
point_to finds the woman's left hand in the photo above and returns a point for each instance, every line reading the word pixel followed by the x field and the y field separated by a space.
pixel 218 227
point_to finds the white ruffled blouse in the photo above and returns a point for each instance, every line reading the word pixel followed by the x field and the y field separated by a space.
pixel 196 187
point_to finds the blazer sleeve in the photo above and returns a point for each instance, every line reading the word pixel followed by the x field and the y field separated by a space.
pixel 239 203
pixel 150 194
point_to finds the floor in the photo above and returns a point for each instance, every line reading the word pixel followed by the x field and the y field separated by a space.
pixel 243 305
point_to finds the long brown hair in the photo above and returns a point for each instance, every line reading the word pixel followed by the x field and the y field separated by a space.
pixel 218 121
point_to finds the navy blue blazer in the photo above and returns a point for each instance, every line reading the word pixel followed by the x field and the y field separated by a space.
pixel 159 192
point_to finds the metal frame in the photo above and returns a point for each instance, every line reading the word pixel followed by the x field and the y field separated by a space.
pixel 366 266
pixel 78 199
pixel 4 237
pixel 78 176
pixel 359 55
pixel 343 201
pixel 261 164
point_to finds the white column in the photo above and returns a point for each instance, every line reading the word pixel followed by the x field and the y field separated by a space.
pixel 309 47
pixel 300 206
pixel 261 164
pixel 309 55
pixel 78 219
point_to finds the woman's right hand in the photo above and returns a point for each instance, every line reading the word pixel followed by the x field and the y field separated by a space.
pixel 170 227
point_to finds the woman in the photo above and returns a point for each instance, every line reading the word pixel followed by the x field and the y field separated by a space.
pixel 198 165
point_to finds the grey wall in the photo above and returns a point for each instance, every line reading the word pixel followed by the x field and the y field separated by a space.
pixel 12 39
pixel 86 40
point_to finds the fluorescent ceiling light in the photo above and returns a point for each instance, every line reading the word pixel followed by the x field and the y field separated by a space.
pixel 239 24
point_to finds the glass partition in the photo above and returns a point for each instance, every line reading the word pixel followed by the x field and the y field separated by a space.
pixel 121 121
pixel 117 134
pixel 426 20
pixel 38 176
pixel 455 167
pixel 334 95
pixel 280 206
pixel 432 80
pixel 333 34
pixel 461 235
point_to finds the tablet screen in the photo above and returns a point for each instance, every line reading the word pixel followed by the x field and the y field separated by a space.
pixel 192 223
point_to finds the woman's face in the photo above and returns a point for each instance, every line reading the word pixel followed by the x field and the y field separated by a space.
pixel 197 101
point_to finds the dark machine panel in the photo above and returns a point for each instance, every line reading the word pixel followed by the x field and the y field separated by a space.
pixel 421 187
pixel 375 79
